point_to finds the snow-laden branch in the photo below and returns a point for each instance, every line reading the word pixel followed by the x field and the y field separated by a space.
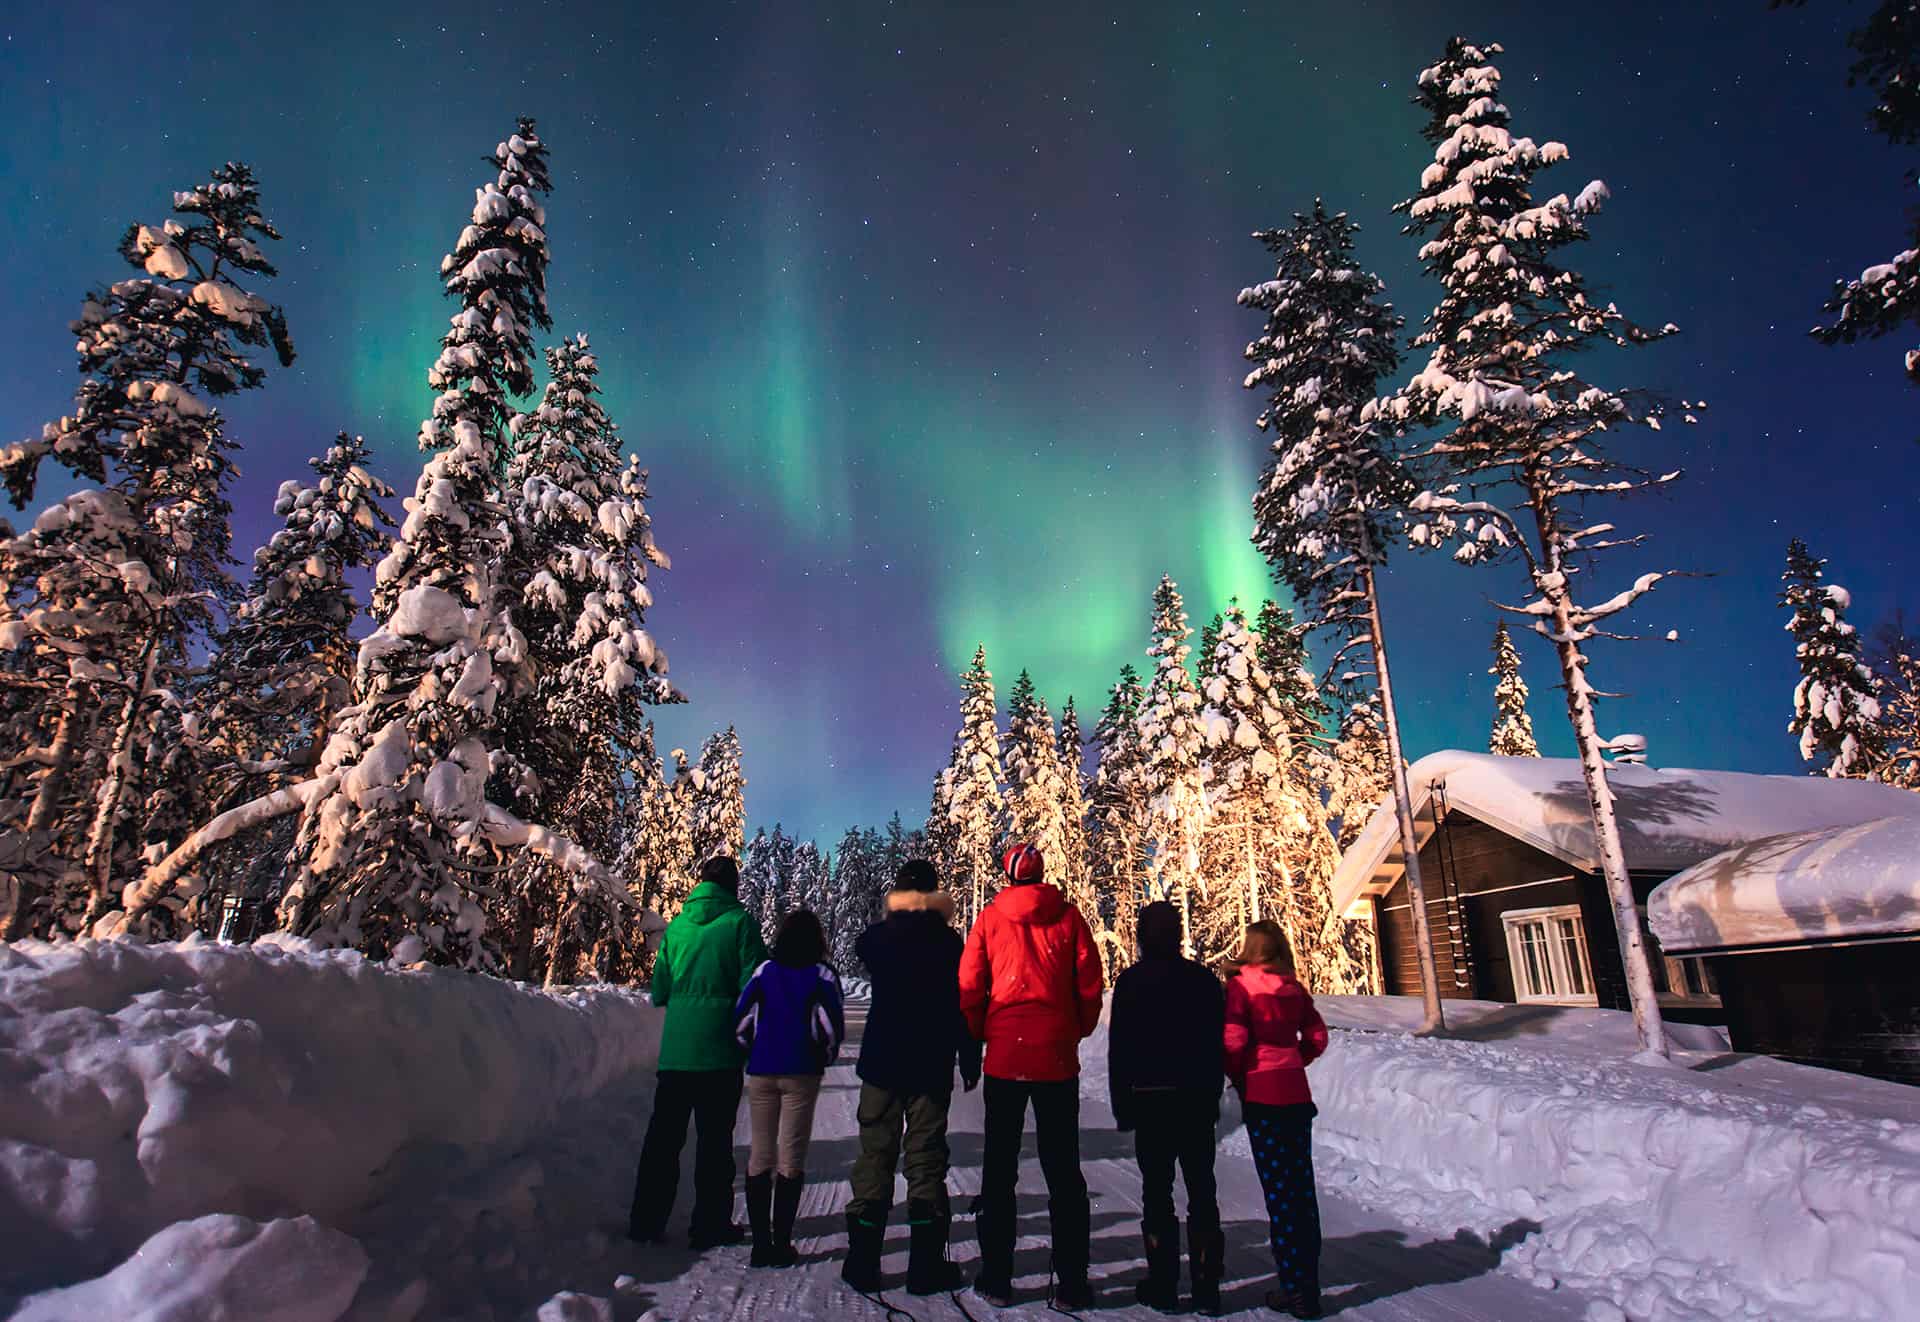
pixel 141 895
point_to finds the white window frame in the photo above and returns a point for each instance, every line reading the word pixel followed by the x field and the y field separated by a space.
pixel 1558 968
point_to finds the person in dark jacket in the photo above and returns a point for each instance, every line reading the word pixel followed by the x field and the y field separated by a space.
pixel 914 1037
pixel 1273 1032
pixel 709 951
pixel 790 1020
pixel 1166 1078
pixel 1030 988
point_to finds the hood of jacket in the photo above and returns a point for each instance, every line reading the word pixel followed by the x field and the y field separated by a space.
pixel 1035 904
pixel 708 903
pixel 937 902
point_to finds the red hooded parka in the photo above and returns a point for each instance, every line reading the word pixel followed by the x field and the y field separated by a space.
pixel 1030 984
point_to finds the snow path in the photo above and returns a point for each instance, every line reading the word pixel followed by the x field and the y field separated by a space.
pixel 1374 1266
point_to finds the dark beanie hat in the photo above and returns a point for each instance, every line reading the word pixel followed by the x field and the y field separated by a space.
pixel 722 872
pixel 1159 928
pixel 916 874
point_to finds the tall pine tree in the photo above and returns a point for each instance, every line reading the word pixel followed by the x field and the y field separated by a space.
pixel 110 592
pixel 1117 834
pixel 1512 727
pixel 1170 772
pixel 968 799
pixel 1325 508
pixel 1072 872
pixel 1035 795
pixel 1836 704
pixel 400 829
pixel 1519 419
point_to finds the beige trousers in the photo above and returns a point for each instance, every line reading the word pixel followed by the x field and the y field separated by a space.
pixel 780 1114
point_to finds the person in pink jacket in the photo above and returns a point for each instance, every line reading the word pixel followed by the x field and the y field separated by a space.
pixel 1272 1034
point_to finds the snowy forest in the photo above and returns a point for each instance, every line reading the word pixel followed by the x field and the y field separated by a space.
pixel 423 733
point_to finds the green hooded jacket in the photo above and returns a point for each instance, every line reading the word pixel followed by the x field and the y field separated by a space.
pixel 704 962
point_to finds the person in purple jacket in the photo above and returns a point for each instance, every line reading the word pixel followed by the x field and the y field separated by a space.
pixel 790 1020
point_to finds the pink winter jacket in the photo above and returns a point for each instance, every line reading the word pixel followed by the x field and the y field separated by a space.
pixel 1273 1033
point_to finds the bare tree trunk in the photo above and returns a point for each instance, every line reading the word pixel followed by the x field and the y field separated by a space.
pixel 18 921
pixel 99 860
pixel 1433 1019
pixel 1606 827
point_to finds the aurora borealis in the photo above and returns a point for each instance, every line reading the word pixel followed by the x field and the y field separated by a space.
pixel 923 315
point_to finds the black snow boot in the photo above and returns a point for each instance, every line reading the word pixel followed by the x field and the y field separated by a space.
pixel 1069 1221
pixel 928 1271
pixel 1161 1290
pixel 1303 1303
pixel 862 1267
pixel 760 1218
pixel 994 1227
pixel 1206 1264
pixel 786 1206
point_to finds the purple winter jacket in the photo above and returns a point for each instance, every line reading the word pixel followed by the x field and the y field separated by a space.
pixel 790 1019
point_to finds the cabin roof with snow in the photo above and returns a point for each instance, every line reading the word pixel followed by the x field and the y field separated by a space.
pixel 1670 818
pixel 1795 889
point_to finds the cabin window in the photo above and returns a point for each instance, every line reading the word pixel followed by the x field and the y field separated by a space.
pixel 1678 980
pixel 1548 949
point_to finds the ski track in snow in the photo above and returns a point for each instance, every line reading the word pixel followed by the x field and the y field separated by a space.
pixel 1374 1267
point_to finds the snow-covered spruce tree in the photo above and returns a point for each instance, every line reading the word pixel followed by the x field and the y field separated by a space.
pixel 756 862
pixel 970 800
pixel 1512 727
pixel 1072 872
pixel 1170 773
pixel 1894 659
pixel 678 870
pixel 1325 506
pixel 783 882
pixel 580 550
pixel 1283 654
pixel 1117 830
pixel 719 806
pixel 1247 751
pixel 1360 774
pixel 1885 298
pixel 111 651
pixel 1269 827
pixel 1836 704
pixel 1518 416
pixel 284 664
pixel 398 834
pixel 1034 792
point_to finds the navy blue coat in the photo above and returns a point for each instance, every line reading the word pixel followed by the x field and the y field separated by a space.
pixel 1164 1033
pixel 790 1019
pixel 915 1034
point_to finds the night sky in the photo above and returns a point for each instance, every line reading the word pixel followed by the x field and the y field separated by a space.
pixel 923 315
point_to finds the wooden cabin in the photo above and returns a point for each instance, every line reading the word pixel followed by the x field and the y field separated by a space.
pixel 1813 939
pixel 1517 908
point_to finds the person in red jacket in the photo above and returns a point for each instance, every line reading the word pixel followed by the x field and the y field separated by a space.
pixel 1272 1034
pixel 1030 989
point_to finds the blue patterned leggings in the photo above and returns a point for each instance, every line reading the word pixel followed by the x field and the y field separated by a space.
pixel 1282 1142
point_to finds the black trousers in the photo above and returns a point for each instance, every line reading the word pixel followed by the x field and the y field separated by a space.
pixel 1173 1128
pixel 711 1099
pixel 1056 1123
pixel 1282 1142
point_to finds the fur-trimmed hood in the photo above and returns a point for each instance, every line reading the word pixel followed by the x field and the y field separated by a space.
pixel 913 901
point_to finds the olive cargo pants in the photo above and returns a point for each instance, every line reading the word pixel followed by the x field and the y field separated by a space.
pixel 882 1114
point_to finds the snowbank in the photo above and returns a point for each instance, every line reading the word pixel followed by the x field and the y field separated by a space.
pixel 146 1086
pixel 1797 887
pixel 1679 1194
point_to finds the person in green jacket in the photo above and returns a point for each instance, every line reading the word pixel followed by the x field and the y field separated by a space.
pixel 704 962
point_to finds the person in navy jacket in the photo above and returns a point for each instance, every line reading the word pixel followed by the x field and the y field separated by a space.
pixel 914 1038
pixel 790 1020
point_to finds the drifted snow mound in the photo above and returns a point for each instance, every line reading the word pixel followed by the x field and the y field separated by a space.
pixel 219 1268
pixel 1676 1194
pixel 141 1086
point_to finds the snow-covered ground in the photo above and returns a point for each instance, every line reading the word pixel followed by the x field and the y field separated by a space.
pixel 205 1132
pixel 1729 1186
